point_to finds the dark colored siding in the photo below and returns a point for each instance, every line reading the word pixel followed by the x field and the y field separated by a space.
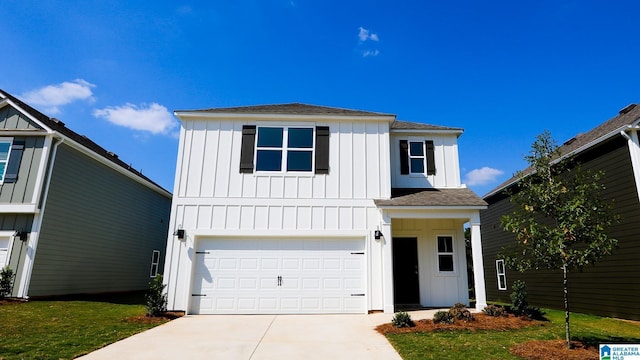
pixel 612 286
pixel 12 119
pixel 99 230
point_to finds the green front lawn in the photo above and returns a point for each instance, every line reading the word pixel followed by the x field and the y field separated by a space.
pixel 495 344
pixel 66 329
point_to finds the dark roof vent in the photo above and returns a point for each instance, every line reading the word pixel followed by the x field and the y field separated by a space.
pixel 627 109
pixel 57 121
pixel 569 141
pixel 112 154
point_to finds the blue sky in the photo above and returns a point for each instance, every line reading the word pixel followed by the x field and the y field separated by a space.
pixel 503 70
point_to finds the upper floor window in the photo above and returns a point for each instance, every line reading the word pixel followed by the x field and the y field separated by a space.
pixel 417 157
pixel 285 149
pixel 5 148
pixel 281 148
pixel 445 254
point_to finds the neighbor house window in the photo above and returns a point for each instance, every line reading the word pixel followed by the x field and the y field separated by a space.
pixel 155 260
pixel 445 254
pixel 502 274
pixel 5 149
pixel 284 149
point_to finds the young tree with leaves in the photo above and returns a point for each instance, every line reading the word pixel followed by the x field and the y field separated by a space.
pixel 560 218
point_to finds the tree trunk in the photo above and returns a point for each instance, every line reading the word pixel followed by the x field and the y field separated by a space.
pixel 565 285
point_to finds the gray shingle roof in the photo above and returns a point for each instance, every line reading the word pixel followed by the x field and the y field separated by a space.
pixel 407 125
pixel 626 117
pixel 432 197
pixel 290 109
pixel 57 125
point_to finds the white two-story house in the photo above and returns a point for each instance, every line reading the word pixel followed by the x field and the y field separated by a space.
pixel 298 208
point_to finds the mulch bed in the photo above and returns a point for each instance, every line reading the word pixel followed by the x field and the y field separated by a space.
pixel 482 322
pixel 143 319
pixel 530 350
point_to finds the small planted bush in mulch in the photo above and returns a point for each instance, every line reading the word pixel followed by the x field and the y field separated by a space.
pixel 482 322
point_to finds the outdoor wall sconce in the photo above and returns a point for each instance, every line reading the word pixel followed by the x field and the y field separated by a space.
pixel 22 235
pixel 179 233
pixel 377 234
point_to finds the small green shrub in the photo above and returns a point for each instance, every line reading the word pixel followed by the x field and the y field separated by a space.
pixel 444 317
pixel 156 298
pixel 6 281
pixel 493 310
pixel 402 319
pixel 460 312
pixel 519 298
pixel 533 312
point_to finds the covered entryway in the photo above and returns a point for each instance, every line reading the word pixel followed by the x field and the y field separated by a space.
pixel 279 276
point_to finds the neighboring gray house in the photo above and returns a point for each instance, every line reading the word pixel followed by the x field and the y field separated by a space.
pixel 611 287
pixel 73 217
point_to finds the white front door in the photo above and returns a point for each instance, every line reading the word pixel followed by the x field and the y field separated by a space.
pixel 279 276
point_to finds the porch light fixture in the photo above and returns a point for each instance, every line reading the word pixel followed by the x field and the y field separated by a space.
pixel 377 234
pixel 179 233
pixel 22 235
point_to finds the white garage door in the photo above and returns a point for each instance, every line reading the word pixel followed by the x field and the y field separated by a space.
pixel 284 276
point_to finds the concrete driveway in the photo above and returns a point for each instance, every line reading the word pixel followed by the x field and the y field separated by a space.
pixel 260 337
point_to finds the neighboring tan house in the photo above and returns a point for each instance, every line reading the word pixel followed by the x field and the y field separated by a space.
pixel 73 217
pixel 611 287
pixel 297 208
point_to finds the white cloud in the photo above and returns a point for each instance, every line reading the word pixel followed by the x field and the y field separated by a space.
pixel 482 176
pixel 374 52
pixel 153 118
pixel 52 97
pixel 365 34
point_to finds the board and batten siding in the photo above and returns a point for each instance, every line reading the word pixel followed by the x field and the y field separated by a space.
pixel 15 222
pixel 12 119
pixel 611 287
pixel 22 190
pixel 446 161
pixel 212 197
pixel 209 166
pixel 98 231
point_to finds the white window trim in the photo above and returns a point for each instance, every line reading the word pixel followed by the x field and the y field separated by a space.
pixel 452 253
pixel 502 285
pixel 11 236
pixel 424 156
pixel 285 149
pixel 10 141
pixel 154 264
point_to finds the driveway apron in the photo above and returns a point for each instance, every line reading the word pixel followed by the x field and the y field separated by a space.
pixel 258 337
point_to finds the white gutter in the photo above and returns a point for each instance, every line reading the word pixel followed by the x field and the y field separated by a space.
pixel 27 267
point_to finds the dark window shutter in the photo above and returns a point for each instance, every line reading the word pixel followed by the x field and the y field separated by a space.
pixel 246 149
pixel 404 157
pixel 15 158
pixel 431 159
pixel 322 149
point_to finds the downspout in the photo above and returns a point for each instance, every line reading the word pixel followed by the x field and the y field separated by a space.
pixel 35 228
pixel 634 153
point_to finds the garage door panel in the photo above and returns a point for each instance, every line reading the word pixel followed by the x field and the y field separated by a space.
pixel 279 276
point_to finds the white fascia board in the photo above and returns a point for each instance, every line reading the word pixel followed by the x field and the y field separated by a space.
pixel 466 213
pixel 432 208
pixel 112 165
pixel 6 101
pixel 186 115
pixel 574 152
pixel 24 132
pixel 249 201
pixel 19 208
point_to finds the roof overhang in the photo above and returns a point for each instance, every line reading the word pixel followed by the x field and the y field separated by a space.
pixel 204 115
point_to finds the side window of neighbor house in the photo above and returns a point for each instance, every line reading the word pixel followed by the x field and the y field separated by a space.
pixel 5 148
pixel 155 261
pixel 502 274
pixel 445 254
